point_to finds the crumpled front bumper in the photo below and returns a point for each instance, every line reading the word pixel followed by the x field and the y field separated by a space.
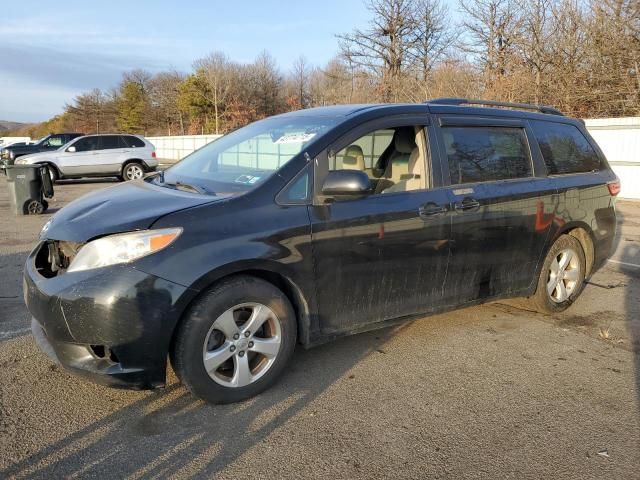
pixel 112 325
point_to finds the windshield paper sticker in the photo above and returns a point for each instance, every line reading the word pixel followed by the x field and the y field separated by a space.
pixel 247 179
pixel 295 138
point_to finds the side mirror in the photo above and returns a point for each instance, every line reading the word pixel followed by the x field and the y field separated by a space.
pixel 71 149
pixel 346 182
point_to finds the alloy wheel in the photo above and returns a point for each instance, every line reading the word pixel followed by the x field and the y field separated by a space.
pixel 134 172
pixel 242 345
pixel 564 275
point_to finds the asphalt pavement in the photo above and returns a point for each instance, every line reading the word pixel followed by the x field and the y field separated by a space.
pixel 485 392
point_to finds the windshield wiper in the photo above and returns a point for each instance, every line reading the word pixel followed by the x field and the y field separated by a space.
pixel 187 187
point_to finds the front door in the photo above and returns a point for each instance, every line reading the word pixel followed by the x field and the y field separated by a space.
pixel 82 160
pixel 384 255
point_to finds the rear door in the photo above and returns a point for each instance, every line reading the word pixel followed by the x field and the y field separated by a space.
pixel 384 255
pixel 112 151
pixel 502 206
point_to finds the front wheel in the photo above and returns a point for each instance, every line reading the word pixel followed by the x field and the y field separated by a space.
pixel 53 173
pixel 235 340
pixel 561 278
pixel 132 171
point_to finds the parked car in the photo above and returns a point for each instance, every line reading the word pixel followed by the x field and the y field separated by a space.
pixel 49 143
pixel 124 156
pixel 311 225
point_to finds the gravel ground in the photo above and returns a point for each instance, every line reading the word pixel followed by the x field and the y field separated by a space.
pixel 485 392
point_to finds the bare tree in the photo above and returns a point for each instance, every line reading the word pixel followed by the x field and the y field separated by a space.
pixel 535 41
pixel 301 73
pixel 217 71
pixel 492 27
pixel 432 36
pixel 382 49
pixel 165 88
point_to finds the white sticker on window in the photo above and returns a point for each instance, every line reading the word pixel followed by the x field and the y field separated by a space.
pixel 295 138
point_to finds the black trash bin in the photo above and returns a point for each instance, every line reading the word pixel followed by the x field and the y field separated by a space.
pixel 29 187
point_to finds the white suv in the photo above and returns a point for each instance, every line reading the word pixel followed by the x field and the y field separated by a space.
pixel 124 156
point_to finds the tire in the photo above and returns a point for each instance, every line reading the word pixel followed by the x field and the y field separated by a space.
pixel 33 207
pixel 235 370
pixel 53 173
pixel 132 171
pixel 554 301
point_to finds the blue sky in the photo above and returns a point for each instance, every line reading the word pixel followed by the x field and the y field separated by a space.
pixel 51 51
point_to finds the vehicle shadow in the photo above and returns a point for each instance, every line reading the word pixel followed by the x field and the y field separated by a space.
pixel 170 431
pixel 81 181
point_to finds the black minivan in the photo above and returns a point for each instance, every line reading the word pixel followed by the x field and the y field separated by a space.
pixel 314 224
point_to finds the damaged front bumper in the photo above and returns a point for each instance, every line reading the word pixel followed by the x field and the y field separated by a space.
pixel 112 324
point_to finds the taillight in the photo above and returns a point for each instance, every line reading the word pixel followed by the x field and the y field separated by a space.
pixel 153 154
pixel 614 187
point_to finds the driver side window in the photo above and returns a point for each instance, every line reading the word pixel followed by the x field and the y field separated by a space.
pixel 86 144
pixel 393 159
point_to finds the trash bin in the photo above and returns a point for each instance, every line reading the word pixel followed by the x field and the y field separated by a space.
pixel 29 186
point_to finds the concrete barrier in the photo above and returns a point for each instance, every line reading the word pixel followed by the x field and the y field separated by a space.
pixel 174 148
pixel 619 139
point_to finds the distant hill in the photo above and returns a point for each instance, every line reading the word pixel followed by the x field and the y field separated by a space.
pixel 6 126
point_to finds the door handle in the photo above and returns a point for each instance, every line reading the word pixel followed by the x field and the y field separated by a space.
pixel 467 204
pixel 431 210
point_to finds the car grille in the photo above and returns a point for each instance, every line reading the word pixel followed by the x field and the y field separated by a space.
pixel 54 257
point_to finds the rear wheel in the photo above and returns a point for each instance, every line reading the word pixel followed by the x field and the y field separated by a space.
pixel 132 171
pixel 561 278
pixel 235 340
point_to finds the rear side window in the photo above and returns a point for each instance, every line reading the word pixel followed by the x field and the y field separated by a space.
pixel 564 148
pixel 109 142
pixel 484 154
pixel 133 142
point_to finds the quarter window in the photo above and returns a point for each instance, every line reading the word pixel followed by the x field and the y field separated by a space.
pixel 133 142
pixel 564 148
pixel 485 154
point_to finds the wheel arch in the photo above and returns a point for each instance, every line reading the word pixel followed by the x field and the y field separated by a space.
pixel 265 271
pixel 584 234
pixel 132 160
pixel 54 166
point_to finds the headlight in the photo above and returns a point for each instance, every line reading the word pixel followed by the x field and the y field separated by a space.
pixel 122 248
pixel 21 161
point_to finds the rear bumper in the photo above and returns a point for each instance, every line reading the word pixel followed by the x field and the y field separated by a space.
pixel 112 325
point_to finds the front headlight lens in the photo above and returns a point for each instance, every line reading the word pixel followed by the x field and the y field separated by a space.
pixel 122 248
pixel 21 161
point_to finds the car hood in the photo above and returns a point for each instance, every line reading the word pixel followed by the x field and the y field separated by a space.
pixel 37 157
pixel 122 208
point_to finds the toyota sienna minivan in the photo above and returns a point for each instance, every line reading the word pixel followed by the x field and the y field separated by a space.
pixel 315 224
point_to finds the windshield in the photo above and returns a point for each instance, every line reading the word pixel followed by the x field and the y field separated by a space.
pixel 245 158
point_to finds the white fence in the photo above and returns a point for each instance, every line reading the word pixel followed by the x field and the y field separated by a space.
pixel 175 148
pixel 619 139
pixel 4 141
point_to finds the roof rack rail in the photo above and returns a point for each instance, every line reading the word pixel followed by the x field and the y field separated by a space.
pixel 494 103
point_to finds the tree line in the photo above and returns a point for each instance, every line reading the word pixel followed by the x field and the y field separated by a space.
pixel 581 56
